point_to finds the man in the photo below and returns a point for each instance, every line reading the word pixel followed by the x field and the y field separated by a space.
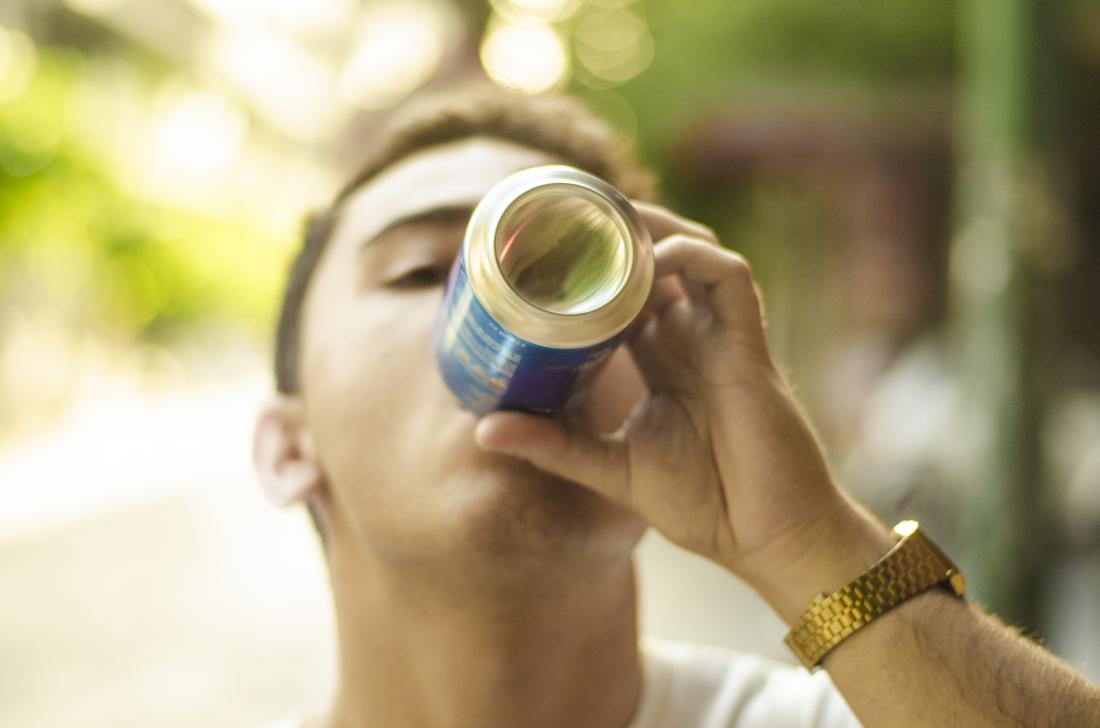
pixel 481 570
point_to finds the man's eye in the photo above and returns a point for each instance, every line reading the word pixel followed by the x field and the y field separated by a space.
pixel 421 277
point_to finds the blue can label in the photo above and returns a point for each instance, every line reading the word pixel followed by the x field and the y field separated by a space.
pixel 490 368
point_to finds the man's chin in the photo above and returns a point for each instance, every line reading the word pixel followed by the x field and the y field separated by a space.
pixel 505 482
pixel 505 506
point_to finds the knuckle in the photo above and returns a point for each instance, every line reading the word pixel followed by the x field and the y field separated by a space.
pixel 740 269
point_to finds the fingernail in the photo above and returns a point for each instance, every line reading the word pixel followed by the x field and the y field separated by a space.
pixel 479 434
pixel 481 438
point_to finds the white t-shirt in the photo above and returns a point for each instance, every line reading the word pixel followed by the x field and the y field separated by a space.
pixel 695 686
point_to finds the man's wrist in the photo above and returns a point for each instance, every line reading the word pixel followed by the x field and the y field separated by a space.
pixel 843 543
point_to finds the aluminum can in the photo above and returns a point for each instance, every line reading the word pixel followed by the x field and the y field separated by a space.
pixel 554 265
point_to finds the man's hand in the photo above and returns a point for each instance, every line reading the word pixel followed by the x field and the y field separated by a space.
pixel 717 457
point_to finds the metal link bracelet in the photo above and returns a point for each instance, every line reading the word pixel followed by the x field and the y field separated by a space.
pixel 912 566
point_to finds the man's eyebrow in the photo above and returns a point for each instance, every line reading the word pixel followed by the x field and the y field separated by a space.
pixel 440 215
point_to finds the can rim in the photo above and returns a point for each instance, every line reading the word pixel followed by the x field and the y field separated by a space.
pixel 525 319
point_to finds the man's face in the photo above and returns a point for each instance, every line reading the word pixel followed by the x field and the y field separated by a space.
pixel 402 474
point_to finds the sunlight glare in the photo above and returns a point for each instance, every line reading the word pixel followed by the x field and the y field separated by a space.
pixel 530 58
pixel 196 131
pixel 399 48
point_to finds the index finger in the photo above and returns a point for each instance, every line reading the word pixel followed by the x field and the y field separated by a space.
pixel 663 222
pixel 723 277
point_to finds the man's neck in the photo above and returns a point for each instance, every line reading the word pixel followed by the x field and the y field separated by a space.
pixel 564 652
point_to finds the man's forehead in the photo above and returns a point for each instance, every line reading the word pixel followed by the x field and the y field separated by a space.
pixel 451 175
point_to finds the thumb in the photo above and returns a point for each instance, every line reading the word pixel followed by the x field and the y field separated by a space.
pixel 598 462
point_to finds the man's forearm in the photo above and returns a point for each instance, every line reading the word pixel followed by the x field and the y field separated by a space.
pixel 938 661
pixel 719 458
pixel 935 660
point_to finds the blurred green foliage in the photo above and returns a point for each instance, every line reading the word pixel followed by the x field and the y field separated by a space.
pixel 73 234
pixel 75 240
pixel 720 52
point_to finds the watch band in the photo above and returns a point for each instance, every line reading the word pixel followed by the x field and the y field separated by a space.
pixel 912 566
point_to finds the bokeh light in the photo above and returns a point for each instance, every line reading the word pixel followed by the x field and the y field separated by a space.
pixel 16 62
pixel 290 86
pixel 292 16
pixel 400 45
pixel 528 57
pixel 195 131
pixel 541 11
pixel 613 44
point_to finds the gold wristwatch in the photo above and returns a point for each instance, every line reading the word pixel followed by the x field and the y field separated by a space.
pixel 912 566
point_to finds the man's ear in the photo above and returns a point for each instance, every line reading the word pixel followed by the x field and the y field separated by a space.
pixel 283 453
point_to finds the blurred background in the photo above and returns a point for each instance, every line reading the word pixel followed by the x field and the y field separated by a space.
pixel 917 185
